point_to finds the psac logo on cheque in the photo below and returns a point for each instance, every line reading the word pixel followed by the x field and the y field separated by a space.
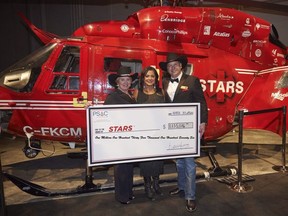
pixel 120 128
pixel 100 113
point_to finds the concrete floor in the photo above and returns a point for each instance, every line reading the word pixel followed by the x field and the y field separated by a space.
pixel 262 151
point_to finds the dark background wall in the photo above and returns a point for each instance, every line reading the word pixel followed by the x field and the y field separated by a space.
pixel 62 17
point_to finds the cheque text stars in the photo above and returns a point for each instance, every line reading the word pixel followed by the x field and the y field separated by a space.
pixel 120 128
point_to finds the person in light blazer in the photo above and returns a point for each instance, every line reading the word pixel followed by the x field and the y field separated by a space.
pixel 183 88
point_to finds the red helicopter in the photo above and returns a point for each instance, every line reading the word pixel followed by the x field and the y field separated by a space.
pixel 238 57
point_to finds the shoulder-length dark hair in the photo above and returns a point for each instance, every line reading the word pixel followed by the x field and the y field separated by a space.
pixel 143 74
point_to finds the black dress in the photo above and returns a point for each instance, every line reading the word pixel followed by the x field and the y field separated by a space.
pixel 150 168
pixel 123 173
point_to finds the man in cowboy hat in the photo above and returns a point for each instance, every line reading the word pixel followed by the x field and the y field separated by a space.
pixel 123 173
pixel 183 88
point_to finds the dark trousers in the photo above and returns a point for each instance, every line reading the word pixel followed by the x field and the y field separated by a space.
pixel 123 178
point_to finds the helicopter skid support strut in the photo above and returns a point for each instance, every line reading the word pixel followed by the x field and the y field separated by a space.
pixel 216 170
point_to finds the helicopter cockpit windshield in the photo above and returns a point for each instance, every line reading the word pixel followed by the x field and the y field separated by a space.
pixel 22 75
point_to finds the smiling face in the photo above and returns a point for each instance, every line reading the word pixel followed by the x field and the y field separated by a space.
pixel 124 83
pixel 149 78
pixel 174 68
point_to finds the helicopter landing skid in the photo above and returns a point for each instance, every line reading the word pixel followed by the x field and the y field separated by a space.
pixel 89 186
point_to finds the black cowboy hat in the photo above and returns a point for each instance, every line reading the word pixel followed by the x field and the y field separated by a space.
pixel 173 57
pixel 123 71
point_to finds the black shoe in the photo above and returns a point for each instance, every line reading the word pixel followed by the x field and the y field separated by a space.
pixel 125 203
pixel 132 197
pixel 177 192
pixel 190 205
pixel 159 192
pixel 149 193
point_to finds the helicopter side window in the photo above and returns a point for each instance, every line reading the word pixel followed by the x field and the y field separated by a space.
pixel 111 65
pixel 59 82
pixel 68 60
pixel 74 83
pixel 66 72
pixel 188 69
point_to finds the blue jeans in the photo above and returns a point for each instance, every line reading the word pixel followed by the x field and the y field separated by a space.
pixel 186 169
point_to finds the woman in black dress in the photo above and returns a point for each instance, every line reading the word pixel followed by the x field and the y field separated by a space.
pixel 123 173
pixel 150 92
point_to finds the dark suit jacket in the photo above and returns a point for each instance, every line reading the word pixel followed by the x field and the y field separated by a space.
pixel 189 90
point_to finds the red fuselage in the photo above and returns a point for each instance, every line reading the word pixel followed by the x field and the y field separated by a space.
pixel 45 94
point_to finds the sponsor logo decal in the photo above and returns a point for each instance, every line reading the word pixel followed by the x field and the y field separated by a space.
pixel 247 22
pixel 166 18
pixel 259 43
pixel 225 17
pixel 246 33
pixel 258 26
pixel 174 31
pixel 124 28
pixel 258 53
pixel 279 96
pixel 221 34
pixel 206 30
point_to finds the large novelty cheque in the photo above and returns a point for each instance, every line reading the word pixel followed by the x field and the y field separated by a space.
pixel 131 133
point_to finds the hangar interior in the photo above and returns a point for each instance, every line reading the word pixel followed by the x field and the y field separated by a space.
pixel 263 152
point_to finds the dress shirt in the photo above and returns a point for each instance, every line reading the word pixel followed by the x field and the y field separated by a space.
pixel 172 87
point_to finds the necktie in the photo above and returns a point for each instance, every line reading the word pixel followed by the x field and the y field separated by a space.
pixel 174 80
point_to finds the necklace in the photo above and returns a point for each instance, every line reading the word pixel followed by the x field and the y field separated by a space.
pixel 149 91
